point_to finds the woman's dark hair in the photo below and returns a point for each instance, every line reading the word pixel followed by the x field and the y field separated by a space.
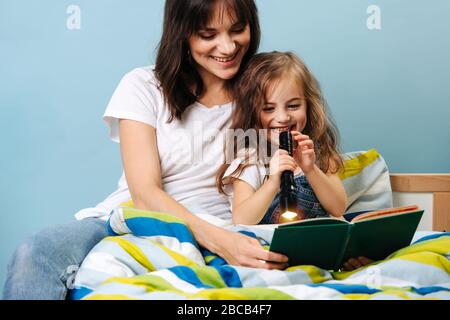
pixel 174 69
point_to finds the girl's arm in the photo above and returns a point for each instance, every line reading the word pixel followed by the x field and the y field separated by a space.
pixel 143 173
pixel 249 206
pixel 329 191
pixel 327 187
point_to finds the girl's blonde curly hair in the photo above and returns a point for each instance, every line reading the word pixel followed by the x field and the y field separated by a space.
pixel 263 72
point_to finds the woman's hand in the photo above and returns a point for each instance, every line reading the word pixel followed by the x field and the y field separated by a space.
pixel 241 250
pixel 355 263
pixel 281 161
pixel 304 153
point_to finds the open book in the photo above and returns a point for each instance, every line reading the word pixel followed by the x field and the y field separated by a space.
pixel 329 242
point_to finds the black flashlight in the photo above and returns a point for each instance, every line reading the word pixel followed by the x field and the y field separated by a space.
pixel 288 199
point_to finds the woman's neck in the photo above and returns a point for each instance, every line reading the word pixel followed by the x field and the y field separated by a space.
pixel 211 99
pixel 214 93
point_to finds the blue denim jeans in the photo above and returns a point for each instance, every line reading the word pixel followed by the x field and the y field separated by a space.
pixel 44 266
pixel 307 203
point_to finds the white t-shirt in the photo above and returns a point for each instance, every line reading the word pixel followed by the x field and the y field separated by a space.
pixel 190 151
pixel 253 174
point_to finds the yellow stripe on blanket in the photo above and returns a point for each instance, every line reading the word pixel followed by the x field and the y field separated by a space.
pixel 242 294
pixel 129 204
pixel 179 258
pixel 129 213
pixel 428 258
pixel 316 274
pixel 439 245
pixel 208 259
pixel 430 252
pixel 394 293
pixel 148 281
pixel 133 250
pixel 153 283
pixel 354 166
pixel 342 275
pixel 209 276
pixel 109 297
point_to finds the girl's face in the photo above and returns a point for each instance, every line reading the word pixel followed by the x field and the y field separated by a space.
pixel 284 109
pixel 218 49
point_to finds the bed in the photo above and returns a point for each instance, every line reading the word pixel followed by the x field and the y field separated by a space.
pixel 431 192
pixel 152 255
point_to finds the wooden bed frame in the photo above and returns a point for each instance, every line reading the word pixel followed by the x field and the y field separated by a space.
pixel 437 185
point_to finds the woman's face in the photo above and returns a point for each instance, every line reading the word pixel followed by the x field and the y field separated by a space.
pixel 284 109
pixel 218 49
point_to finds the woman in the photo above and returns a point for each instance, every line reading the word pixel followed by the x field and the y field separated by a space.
pixel 204 46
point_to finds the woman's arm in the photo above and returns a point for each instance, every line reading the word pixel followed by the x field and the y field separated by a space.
pixel 143 173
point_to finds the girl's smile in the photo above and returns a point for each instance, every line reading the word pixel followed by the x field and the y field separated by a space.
pixel 284 110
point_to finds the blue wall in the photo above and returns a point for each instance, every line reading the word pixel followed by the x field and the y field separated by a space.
pixel 387 88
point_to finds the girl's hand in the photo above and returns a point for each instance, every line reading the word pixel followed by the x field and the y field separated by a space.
pixel 281 161
pixel 355 263
pixel 304 153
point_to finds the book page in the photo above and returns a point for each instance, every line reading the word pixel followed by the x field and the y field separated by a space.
pixel 383 212
pixel 313 221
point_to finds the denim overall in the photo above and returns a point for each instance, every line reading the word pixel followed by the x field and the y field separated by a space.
pixel 306 202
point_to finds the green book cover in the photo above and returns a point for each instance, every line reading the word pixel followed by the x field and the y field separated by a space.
pixel 329 242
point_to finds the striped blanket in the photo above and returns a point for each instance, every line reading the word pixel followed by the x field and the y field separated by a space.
pixel 152 255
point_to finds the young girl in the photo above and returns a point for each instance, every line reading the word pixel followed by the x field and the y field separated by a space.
pixel 278 93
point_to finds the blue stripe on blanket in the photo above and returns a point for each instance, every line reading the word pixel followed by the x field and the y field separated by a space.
pixel 345 288
pixel 214 262
pixel 148 227
pixel 428 290
pixel 217 262
pixel 248 233
pixel 432 236
pixel 78 293
pixel 229 276
pixel 186 274
pixel 110 231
